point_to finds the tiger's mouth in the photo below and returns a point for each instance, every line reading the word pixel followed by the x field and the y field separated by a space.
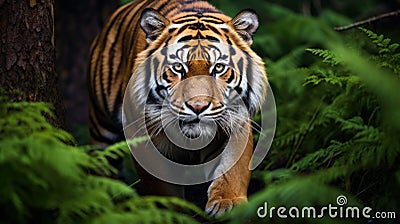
pixel 193 121
pixel 197 127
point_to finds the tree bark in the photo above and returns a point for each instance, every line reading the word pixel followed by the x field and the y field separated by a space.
pixel 27 59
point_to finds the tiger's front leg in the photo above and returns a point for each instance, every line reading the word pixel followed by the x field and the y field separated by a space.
pixel 230 189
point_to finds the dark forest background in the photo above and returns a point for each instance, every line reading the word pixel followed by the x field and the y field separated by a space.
pixel 338 127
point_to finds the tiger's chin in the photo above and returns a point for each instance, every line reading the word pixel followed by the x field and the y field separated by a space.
pixel 198 129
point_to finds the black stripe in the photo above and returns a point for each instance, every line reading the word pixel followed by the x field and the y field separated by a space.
pixel 183 113
pixel 197 26
pixel 165 77
pixel 212 39
pixel 240 63
pixel 231 77
pixel 155 48
pixel 228 40
pixel 238 89
pixel 94 126
pixel 225 29
pixel 205 18
pixel 184 27
pixel 214 113
pixel 171 8
pixel 91 78
pixel 110 65
pixel 232 52
pixel 167 42
pixel 219 107
pixel 187 16
pixel 149 72
pixel 212 21
pixel 199 36
pixel 152 99
pixel 246 99
pixel 213 17
pixel 215 30
pixel 162 6
pixel 117 106
pixel 159 86
pixel 158 90
pixel 180 21
pixel 186 38
pixel 248 70
pixel 156 64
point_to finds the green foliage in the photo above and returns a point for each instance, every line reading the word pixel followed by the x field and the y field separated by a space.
pixel 46 180
pixel 327 56
pixel 344 139
pixel 100 158
pixel 123 2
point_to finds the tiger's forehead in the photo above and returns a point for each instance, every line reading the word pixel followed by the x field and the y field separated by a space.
pixel 204 17
pixel 199 49
pixel 198 27
pixel 195 22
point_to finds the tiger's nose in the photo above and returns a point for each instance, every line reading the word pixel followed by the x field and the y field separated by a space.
pixel 198 105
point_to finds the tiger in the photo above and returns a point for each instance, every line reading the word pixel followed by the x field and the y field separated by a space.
pixel 199 85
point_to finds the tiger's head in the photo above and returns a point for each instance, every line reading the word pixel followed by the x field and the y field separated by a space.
pixel 198 72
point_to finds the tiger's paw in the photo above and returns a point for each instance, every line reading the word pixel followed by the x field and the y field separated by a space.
pixel 218 206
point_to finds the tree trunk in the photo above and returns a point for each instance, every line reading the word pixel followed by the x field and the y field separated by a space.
pixel 27 53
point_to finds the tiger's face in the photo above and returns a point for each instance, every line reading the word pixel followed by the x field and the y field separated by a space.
pixel 196 98
pixel 200 72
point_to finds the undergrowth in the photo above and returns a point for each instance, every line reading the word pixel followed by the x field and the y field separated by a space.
pixel 45 179
pixel 338 134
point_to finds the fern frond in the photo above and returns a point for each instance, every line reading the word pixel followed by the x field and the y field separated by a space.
pixel 382 43
pixel 100 158
pixel 327 56
pixel 318 159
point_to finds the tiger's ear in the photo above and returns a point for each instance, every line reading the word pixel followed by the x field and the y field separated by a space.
pixel 246 24
pixel 152 23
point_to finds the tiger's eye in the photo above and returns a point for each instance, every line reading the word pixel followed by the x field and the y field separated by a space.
pixel 177 67
pixel 219 67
